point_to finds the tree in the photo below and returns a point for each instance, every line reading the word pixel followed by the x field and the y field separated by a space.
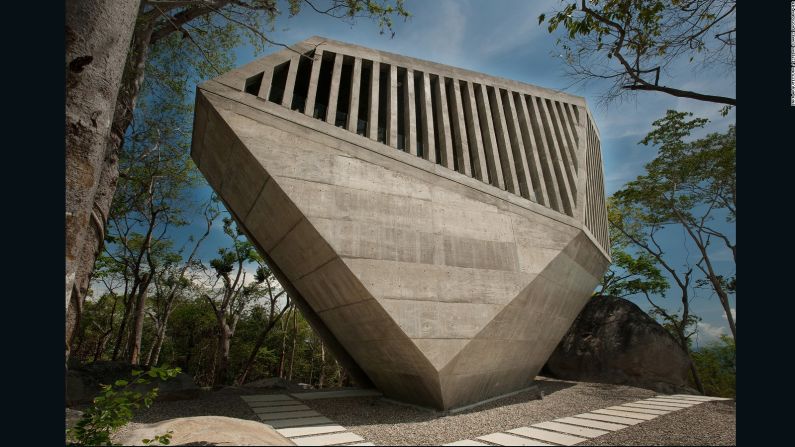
pixel 188 40
pixel 230 298
pixel 640 229
pixel 631 43
pixel 690 185
pixel 265 277
pixel 98 34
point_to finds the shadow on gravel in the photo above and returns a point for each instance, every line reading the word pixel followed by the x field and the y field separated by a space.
pixel 374 411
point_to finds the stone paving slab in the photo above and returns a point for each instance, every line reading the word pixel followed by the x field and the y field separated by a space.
pixel 675 401
pixel 627 414
pixel 328 439
pixel 298 422
pixel 307 431
pixel 265 397
pixel 467 442
pixel 638 410
pixel 651 406
pixel 694 397
pixel 505 439
pixel 288 415
pixel 279 409
pixel 591 424
pixel 332 394
pixel 571 429
pixel 274 403
pixel 608 418
pixel 549 436
pixel 669 403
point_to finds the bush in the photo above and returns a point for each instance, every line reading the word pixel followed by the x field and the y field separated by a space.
pixel 113 408
pixel 716 364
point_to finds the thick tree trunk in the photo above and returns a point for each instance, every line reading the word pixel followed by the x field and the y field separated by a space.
pixel 138 326
pixel 91 248
pixel 98 34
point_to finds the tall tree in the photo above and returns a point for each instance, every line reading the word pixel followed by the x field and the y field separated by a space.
pixel 192 39
pixel 637 232
pixel 631 43
pixel 274 291
pixel 691 185
pixel 98 34
pixel 230 298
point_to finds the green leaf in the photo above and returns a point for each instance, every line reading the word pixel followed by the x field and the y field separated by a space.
pixel 541 18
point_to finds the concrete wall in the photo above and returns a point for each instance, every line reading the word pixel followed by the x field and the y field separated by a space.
pixel 441 286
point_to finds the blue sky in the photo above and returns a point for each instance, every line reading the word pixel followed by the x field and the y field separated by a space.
pixel 507 41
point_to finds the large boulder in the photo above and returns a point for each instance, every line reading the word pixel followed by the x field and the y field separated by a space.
pixel 205 430
pixel 614 341
pixel 83 382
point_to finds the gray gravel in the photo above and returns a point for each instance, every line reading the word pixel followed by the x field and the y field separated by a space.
pixel 386 423
pixel 711 423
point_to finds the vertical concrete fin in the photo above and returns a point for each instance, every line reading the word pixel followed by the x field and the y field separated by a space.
pixel 372 118
pixel 557 159
pixel 503 144
pixel 460 130
pixel 289 86
pixel 311 96
pixel 334 90
pixel 531 151
pixel 489 140
pixel 445 142
pixel 265 86
pixel 479 169
pixel 517 144
pixel 428 138
pixel 410 115
pixel 353 104
pixel 565 145
pixel 392 108
pixel 545 155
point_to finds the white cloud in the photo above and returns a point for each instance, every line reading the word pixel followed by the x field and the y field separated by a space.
pixel 734 315
pixel 708 333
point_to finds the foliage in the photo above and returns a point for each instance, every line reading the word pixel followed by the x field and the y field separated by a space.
pixel 114 406
pixel 630 43
pixel 717 365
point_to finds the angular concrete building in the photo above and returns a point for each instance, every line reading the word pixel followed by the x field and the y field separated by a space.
pixel 439 228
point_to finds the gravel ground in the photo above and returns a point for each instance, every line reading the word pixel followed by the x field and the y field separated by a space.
pixel 386 423
pixel 711 423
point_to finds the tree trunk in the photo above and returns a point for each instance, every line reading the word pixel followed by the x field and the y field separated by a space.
pixel 138 326
pixel 98 34
pixel 260 341
pixel 128 305
pixel 91 248
pixel 322 373
pixel 292 351
pixel 284 345
pixel 222 358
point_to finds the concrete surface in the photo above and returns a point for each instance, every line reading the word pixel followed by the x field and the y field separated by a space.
pixel 440 288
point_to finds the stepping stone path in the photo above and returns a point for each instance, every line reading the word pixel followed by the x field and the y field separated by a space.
pixel 576 429
pixel 299 423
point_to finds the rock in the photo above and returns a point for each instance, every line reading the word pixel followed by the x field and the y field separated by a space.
pixel 72 416
pixel 614 341
pixel 83 382
pixel 205 430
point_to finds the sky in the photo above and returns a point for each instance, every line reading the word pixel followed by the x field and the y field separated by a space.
pixel 505 40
